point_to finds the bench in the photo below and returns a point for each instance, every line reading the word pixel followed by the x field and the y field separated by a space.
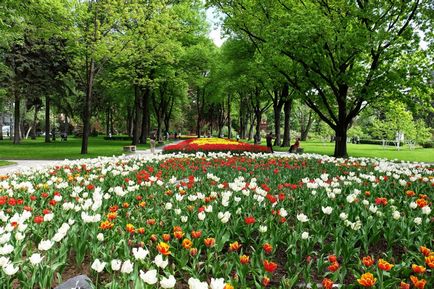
pixel 129 148
pixel 298 151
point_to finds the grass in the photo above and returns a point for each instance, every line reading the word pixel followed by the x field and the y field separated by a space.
pixel 5 163
pixel 39 150
pixel 368 150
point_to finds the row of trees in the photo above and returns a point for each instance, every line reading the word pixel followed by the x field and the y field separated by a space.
pixel 135 65
pixel 339 56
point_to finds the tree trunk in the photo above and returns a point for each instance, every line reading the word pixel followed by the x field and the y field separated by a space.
pixel 258 116
pixel 137 117
pixel 341 141
pixel 17 119
pixel 112 131
pixel 229 117
pixel 47 119
pixel 277 109
pixel 145 125
pixel 287 107
pixel 199 113
pixel 87 107
pixel 304 129
pixel 129 121
pixel 35 119
pixel 1 125
pixel 252 125
pixel 107 121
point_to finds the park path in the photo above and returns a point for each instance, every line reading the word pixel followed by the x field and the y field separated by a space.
pixel 20 165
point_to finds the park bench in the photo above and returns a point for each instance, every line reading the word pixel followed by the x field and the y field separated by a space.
pixel 129 148
pixel 298 151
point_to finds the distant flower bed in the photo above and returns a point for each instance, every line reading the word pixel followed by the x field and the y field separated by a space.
pixel 214 145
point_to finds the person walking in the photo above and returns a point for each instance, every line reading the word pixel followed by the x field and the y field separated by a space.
pixel 269 139
pixel 152 139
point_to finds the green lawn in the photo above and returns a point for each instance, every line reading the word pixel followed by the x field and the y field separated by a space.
pixel 367 150
pixel 38 150
pixel 5 163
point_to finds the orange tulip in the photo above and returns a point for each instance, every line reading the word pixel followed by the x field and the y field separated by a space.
pixel 268 248
pixel 332 258
pixel 164 248
pixel 327 283
pixel 187 243
pixel 404 285
pixel 196 234
pixel 244 259
pixel 430 261
pixel 129 228
pixel 178 234
pixel 418 269
pixel 270 266
pixel 166 237
pixel 333 267
pixel 384 265
pixel 424 250
pixel 228 286
pixel 368 261
pixel 235 246
pixel 106 225
pixel 419 284
pixel 367 280
pixel 193 252
pixel 265 281
pixel 209 242
pixel 141 230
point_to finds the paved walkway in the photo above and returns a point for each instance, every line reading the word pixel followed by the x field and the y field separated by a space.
pixel 21 165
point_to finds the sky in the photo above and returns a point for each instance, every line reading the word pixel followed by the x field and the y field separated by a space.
pixel 215 33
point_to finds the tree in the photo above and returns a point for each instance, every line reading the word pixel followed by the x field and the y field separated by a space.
pixel 346 51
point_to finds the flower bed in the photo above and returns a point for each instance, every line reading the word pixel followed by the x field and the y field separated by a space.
pixel 180 221
pixel 214 145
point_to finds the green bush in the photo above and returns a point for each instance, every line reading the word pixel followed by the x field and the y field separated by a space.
pixel 119 137
pixel 428 144
pixel 376 142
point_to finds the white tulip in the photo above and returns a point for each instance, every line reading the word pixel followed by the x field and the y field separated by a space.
pixel 127 267
pixel 98 266
pixel 116 264
pixel 35 259
pixel 168 282
pixel 149 277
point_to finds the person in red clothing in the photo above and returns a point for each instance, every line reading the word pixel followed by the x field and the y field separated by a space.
pixel 295 146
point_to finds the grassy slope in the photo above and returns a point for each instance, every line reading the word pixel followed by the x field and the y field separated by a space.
pixel 366 150
pixel 37 149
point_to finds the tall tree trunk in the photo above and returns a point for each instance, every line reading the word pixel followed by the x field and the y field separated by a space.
pixel 341 141
pixel 137 116
pixel 287 107
pixel 107 121
pixel 1 125
pixel 199 112
pixel 229 117
pixel 258 116
pixel 305 128
pixel 35 119
pixel 112 131
pixel 87 107
pixel 130 121
pixel 145 125
pixel 252 125
pixel 47 119
pixel 17 118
